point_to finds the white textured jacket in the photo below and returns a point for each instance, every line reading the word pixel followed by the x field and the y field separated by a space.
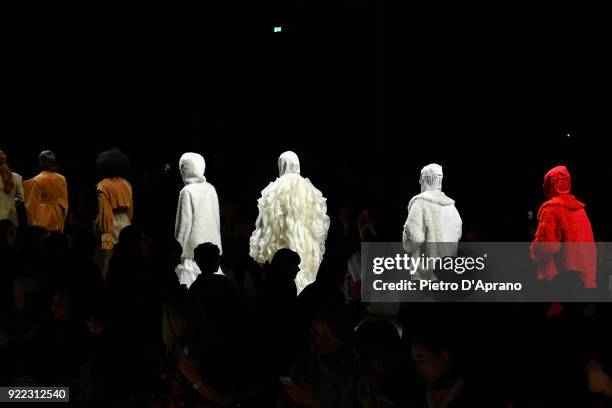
pixel 432 218
pixel 197 215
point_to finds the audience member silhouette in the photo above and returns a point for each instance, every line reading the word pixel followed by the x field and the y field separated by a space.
pixel 324 375
pixel 383 379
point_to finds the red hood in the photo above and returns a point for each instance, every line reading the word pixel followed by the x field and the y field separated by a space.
pixel 557 182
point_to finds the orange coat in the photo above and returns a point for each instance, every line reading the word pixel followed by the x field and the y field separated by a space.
pixel 114 195
pixel 46 201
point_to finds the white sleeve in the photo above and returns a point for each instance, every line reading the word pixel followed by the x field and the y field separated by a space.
pixel 414 230
pixel 459 225
pixel 218 216
pixel 184 218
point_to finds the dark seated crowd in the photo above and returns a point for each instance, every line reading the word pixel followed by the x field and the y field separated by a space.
pixel 141 339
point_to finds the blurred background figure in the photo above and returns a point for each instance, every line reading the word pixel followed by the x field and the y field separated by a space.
pixel 325 374
pixel 599 372
pixel 11 191
pixel 437 361
pixel 200 357
pixel 382 380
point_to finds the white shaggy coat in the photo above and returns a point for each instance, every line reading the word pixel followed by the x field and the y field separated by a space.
pixel 432 218
pixel 197 215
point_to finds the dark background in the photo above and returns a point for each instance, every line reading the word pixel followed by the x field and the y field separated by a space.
pixel 365 93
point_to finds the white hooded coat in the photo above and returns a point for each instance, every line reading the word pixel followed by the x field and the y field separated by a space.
pixel 432 218
pixel 292 214
pixel 197 215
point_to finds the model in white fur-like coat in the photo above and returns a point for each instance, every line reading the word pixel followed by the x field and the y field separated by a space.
pixel 197 215
pixel 433 219
pixel 292 214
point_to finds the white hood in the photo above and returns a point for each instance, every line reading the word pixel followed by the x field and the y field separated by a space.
pixel 288 162
pixel 192 167
pixel 431 178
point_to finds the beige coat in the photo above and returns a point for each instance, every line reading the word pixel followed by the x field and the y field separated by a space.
pixel 46 200
pixel 8 201
pixel 114 199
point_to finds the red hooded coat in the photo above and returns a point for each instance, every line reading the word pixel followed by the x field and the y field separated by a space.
pixel 564 238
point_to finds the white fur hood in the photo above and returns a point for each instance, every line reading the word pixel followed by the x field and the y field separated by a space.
pixel 192 167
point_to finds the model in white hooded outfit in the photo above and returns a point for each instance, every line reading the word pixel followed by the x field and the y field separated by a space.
pixel 292 214
pixel 197 215
pixel 432 218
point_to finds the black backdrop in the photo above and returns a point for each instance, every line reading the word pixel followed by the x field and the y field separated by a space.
pixel 365 93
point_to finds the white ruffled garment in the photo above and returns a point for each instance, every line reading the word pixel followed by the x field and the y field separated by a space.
pixel 292 214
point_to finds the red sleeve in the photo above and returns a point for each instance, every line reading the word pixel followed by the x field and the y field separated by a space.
pixel 547 241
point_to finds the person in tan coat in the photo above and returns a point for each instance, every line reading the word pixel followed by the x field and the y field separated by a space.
pixel 46 195
pixel 115 202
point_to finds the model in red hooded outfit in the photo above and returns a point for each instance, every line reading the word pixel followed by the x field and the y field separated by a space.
pixel 564 238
